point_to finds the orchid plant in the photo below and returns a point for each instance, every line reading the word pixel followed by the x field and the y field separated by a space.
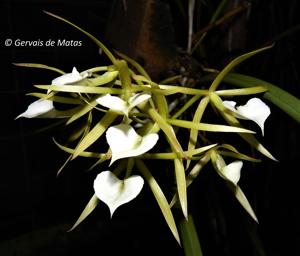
pixel 121 103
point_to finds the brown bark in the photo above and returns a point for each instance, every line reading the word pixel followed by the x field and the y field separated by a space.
pixel 143 30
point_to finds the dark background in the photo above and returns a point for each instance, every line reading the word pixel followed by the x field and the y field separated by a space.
pixel 37 208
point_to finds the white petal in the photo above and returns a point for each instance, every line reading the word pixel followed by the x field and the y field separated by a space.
pixel 232 172
pixel 255 110
pixel 125 142
pixel 37 108
pixel 114 192
pixel 114 103
pixel 138 99
pixel 69 78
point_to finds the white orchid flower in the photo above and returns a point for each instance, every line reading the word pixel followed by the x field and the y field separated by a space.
pixel 115 192
pixel 117 104
pixel 232 172
pixel 38 108
pixel 70 78
pixel 125 142
pixel 255 110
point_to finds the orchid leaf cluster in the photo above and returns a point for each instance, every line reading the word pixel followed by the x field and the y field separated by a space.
pixel 130 114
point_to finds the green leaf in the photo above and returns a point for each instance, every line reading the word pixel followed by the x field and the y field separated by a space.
pixel 181 185
pixel 87 210
pixel 160 198
pixel 95 133
pixel 208 127
pixel 37 65
pixel 189 237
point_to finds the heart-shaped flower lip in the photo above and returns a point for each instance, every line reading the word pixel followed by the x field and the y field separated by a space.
pixel 125 142
pixel 69 78
pixel 255 109
pixel 37 109
pixel 115 192
pixel 115 103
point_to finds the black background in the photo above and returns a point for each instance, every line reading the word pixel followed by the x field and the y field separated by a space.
pixel 37 208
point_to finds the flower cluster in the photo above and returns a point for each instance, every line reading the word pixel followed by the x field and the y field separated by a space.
pixel 132 112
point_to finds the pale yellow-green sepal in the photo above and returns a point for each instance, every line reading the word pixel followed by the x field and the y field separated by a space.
pixel 233 152
pixel 167 129
pixel 248 137
pixel 243 91
pixel 80 89
pixel 181 185
pixel 233 64
pixel 196 119
pixel 87 211
pixel 193 175
pixel 83 154
pixel 37 65
pixel 95 133
pixel 160 198
pixel 101 45
pixel 240 196
pixel 55 98
pixel 208 127
pixel 105 78
pixel 84 109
